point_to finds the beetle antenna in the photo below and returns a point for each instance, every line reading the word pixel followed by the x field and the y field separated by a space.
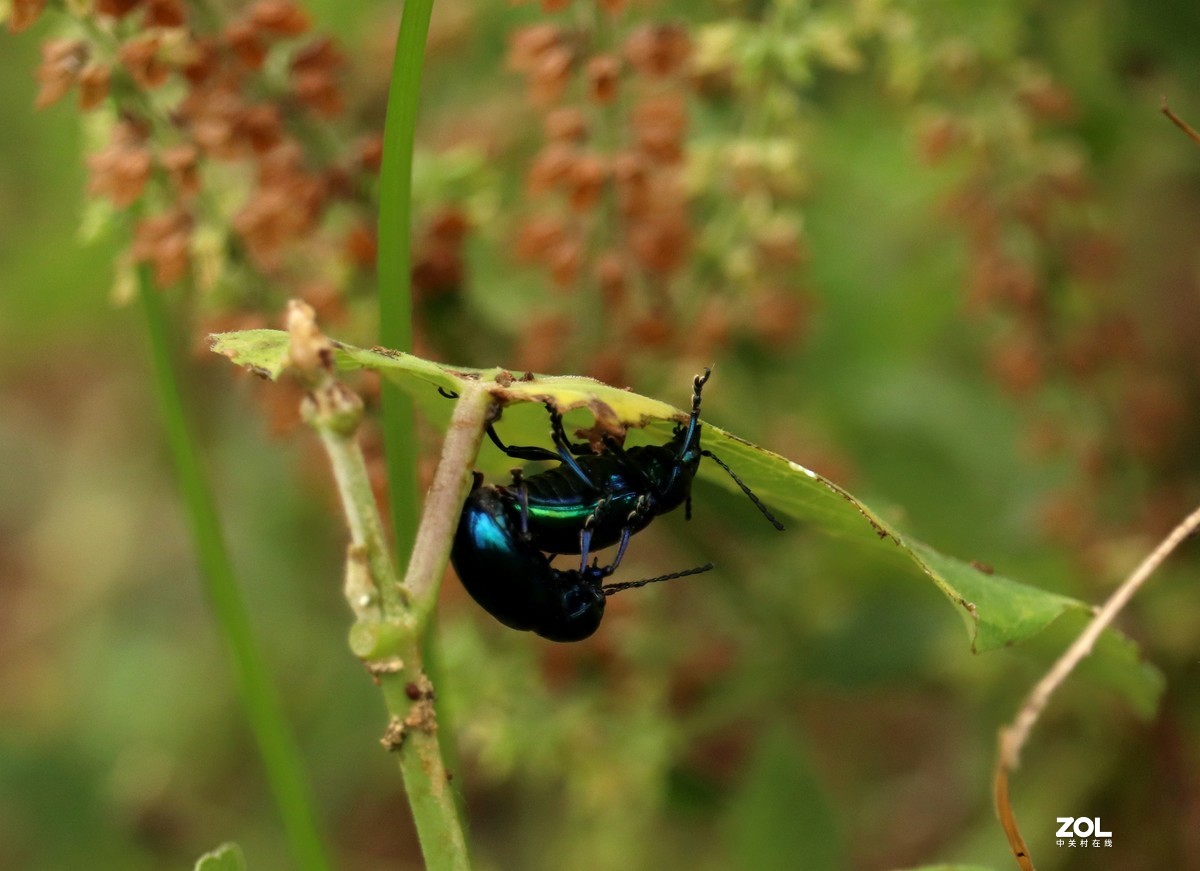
pixel 757 502
pixel 610 589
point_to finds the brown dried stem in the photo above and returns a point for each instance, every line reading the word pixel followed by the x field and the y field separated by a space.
pixel 1012 738
pixel 1180 123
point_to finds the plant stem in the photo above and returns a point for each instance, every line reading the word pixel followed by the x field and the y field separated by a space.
pixel 394 263
pixel 1012 738
pixel 443 504
pixel 393 617
pixel 281 757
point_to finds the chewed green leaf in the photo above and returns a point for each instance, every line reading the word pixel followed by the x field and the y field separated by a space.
pixel 264 352
pixel 997 610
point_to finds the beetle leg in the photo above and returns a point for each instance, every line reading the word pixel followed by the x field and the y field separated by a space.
pixel 639 511
pixel 612 567
pixel 579 449
pixel 565 452
pixel 518 452
pixel 590 523
pixel 518 483
pixel 585 545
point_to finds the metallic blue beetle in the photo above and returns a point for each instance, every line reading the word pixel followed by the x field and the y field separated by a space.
pixel 590 501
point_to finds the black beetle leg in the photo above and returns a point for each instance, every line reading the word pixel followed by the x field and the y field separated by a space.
pixel 612 567
pixel 518 452
pixel 559 432
pixel 585 546
pixel 640 510
pixel 590 523
pixel 565 453
pixel 518 483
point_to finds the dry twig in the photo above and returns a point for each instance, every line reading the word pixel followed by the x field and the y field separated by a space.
pixel 1012 738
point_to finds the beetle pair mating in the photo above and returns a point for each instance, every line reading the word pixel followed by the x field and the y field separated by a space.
pixel 508 534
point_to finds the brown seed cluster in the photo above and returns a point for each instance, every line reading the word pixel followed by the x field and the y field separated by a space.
pixel 610 216
pixel 234 153
pixel 613 191
pixel 1059 325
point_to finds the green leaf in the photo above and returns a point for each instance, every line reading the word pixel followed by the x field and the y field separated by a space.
pixel 996 610
pixel 227 857
pixel 953 868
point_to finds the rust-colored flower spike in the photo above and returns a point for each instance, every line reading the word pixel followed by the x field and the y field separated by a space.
pixel 164 13
pixel 93 85
pixel 551 167
pixel 659 124
pixel 284 207
pixel 181 164
pixel 313 75
pixel 549 77
pixel 116 8
pixel 658 50
pixel 280 17
pixel 210 114
pixel 660 243
pixel 565 124
pixel 163 240
pixel 62 60
pixel 121 169
pixel 538 237
pixel 542 53
pixel 370 153
pixel 603 76
pixel 439 268
pixel 530 43
pixel 610 275
pixel 361 246
pixel 24 13
pixel 140 56
pixel 588 175
pixel 260 126
pixel 541 346
pixel 632 175
pixel 203 62
pixel 247 44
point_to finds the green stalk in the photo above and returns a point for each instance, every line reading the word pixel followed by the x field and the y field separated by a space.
pixel 394 268
pixel 280 755
pixel 395 264
pixel 393 616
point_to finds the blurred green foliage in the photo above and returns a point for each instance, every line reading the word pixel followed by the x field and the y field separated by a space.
pixel 804 706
